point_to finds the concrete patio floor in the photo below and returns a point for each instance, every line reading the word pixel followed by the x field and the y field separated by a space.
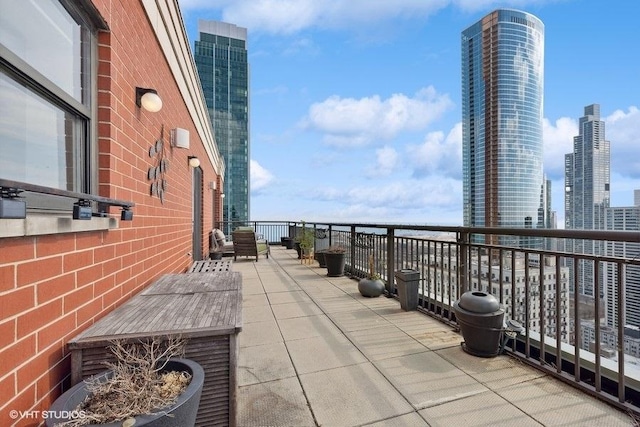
pixel 313 352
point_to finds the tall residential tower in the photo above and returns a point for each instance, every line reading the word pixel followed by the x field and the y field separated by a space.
pixel 221 60
pixel 587 194
pixel 502 97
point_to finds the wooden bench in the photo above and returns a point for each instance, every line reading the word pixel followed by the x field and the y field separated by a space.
pixel 210 266
pixel 203 308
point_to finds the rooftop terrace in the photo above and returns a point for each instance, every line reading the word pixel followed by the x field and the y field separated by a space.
pixel 314 352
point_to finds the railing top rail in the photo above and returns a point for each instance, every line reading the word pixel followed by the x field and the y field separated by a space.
pixel 615 236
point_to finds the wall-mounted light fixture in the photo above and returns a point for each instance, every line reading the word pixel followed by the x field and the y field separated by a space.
pixel 148 99
pixel 222 196
pixel 194 162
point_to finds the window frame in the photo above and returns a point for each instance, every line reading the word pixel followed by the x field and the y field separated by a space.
pixel 84 13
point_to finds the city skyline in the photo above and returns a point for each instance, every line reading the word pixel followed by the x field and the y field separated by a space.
pixel 356 112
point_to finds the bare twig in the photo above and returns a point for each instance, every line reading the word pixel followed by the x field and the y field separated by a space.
pixel 139 384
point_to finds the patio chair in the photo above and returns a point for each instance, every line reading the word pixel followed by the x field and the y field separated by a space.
pixel 246 243
pixel 218 244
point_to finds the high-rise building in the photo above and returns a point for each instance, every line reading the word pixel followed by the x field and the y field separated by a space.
pixel 221 59
pixel 623 219
pixel 587 193
pixel 502 96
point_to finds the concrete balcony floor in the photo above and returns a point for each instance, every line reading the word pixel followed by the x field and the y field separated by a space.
pixel 313 352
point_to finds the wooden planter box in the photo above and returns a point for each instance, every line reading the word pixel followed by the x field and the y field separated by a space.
pixel 203 308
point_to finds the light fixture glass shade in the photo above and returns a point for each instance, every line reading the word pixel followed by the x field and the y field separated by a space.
pixel 151 102
pixel 194 162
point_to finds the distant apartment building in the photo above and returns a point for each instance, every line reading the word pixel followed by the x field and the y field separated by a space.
pixel 530 293
pixel 623 219
pixel 587 195
pixel 502 100
pixel 221 58
pixel 609 339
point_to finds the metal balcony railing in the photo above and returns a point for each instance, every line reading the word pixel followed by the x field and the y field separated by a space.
pixel 528 272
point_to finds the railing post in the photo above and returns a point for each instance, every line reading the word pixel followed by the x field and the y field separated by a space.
pixel 391 256
pixel 352 250
pixel 463 271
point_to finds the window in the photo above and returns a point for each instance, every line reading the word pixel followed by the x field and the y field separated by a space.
pixel 47 82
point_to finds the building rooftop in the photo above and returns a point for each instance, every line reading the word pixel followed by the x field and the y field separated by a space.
pixel 314 352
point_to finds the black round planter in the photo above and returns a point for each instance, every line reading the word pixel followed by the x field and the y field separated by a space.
pixel 288 242
pixel 319 256
pixel 335 263
pixel 181 414
pixel 215 255
pixel 371 288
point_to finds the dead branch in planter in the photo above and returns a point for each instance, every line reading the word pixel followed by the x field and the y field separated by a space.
pixel 139 385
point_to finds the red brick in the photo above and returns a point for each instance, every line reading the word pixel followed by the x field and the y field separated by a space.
pixel 7 333
pixel 55 288
pixel 56 331
pixel 40 269
pixel 7 390
pixel 78 298
pixel 7 277
pixel 87 313
pixel 17 301
pixel 77 260
pixel 16 354
pixel 88 240
pixel 49 386
pixel 111 267
pixel 37 367
pixel 35 319
pixel 112 297
pixel 103 286
pixel 89 275
pixel 104 253
pixel 22 402
pixel 53 244
pixel 17 249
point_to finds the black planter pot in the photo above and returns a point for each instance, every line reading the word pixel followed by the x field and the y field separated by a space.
pixel 288 242
pixel 335 263
pixel 298 249
pixel 371 288
pixel 215 255
pixel 319 256
pixel 182 413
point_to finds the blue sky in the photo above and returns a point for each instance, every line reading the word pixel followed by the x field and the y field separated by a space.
pixel 356 108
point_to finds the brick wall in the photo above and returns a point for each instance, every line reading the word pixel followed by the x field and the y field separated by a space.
pixel 54 286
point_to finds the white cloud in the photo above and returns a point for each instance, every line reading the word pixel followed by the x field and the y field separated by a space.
pixel 386 160
pixel 353 122
pixel 401 194
pixel 558 141
pixel 622 129
pixel 260 177
pixel 438 154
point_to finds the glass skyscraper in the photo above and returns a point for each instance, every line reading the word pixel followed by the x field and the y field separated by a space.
pixel 221 59
pixel 502 98
pixel 587 177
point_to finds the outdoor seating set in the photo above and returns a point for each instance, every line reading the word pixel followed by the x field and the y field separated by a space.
pixel 245 243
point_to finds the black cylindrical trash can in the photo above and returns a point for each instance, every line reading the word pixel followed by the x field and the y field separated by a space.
pixel 481 322
pixel 407 281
